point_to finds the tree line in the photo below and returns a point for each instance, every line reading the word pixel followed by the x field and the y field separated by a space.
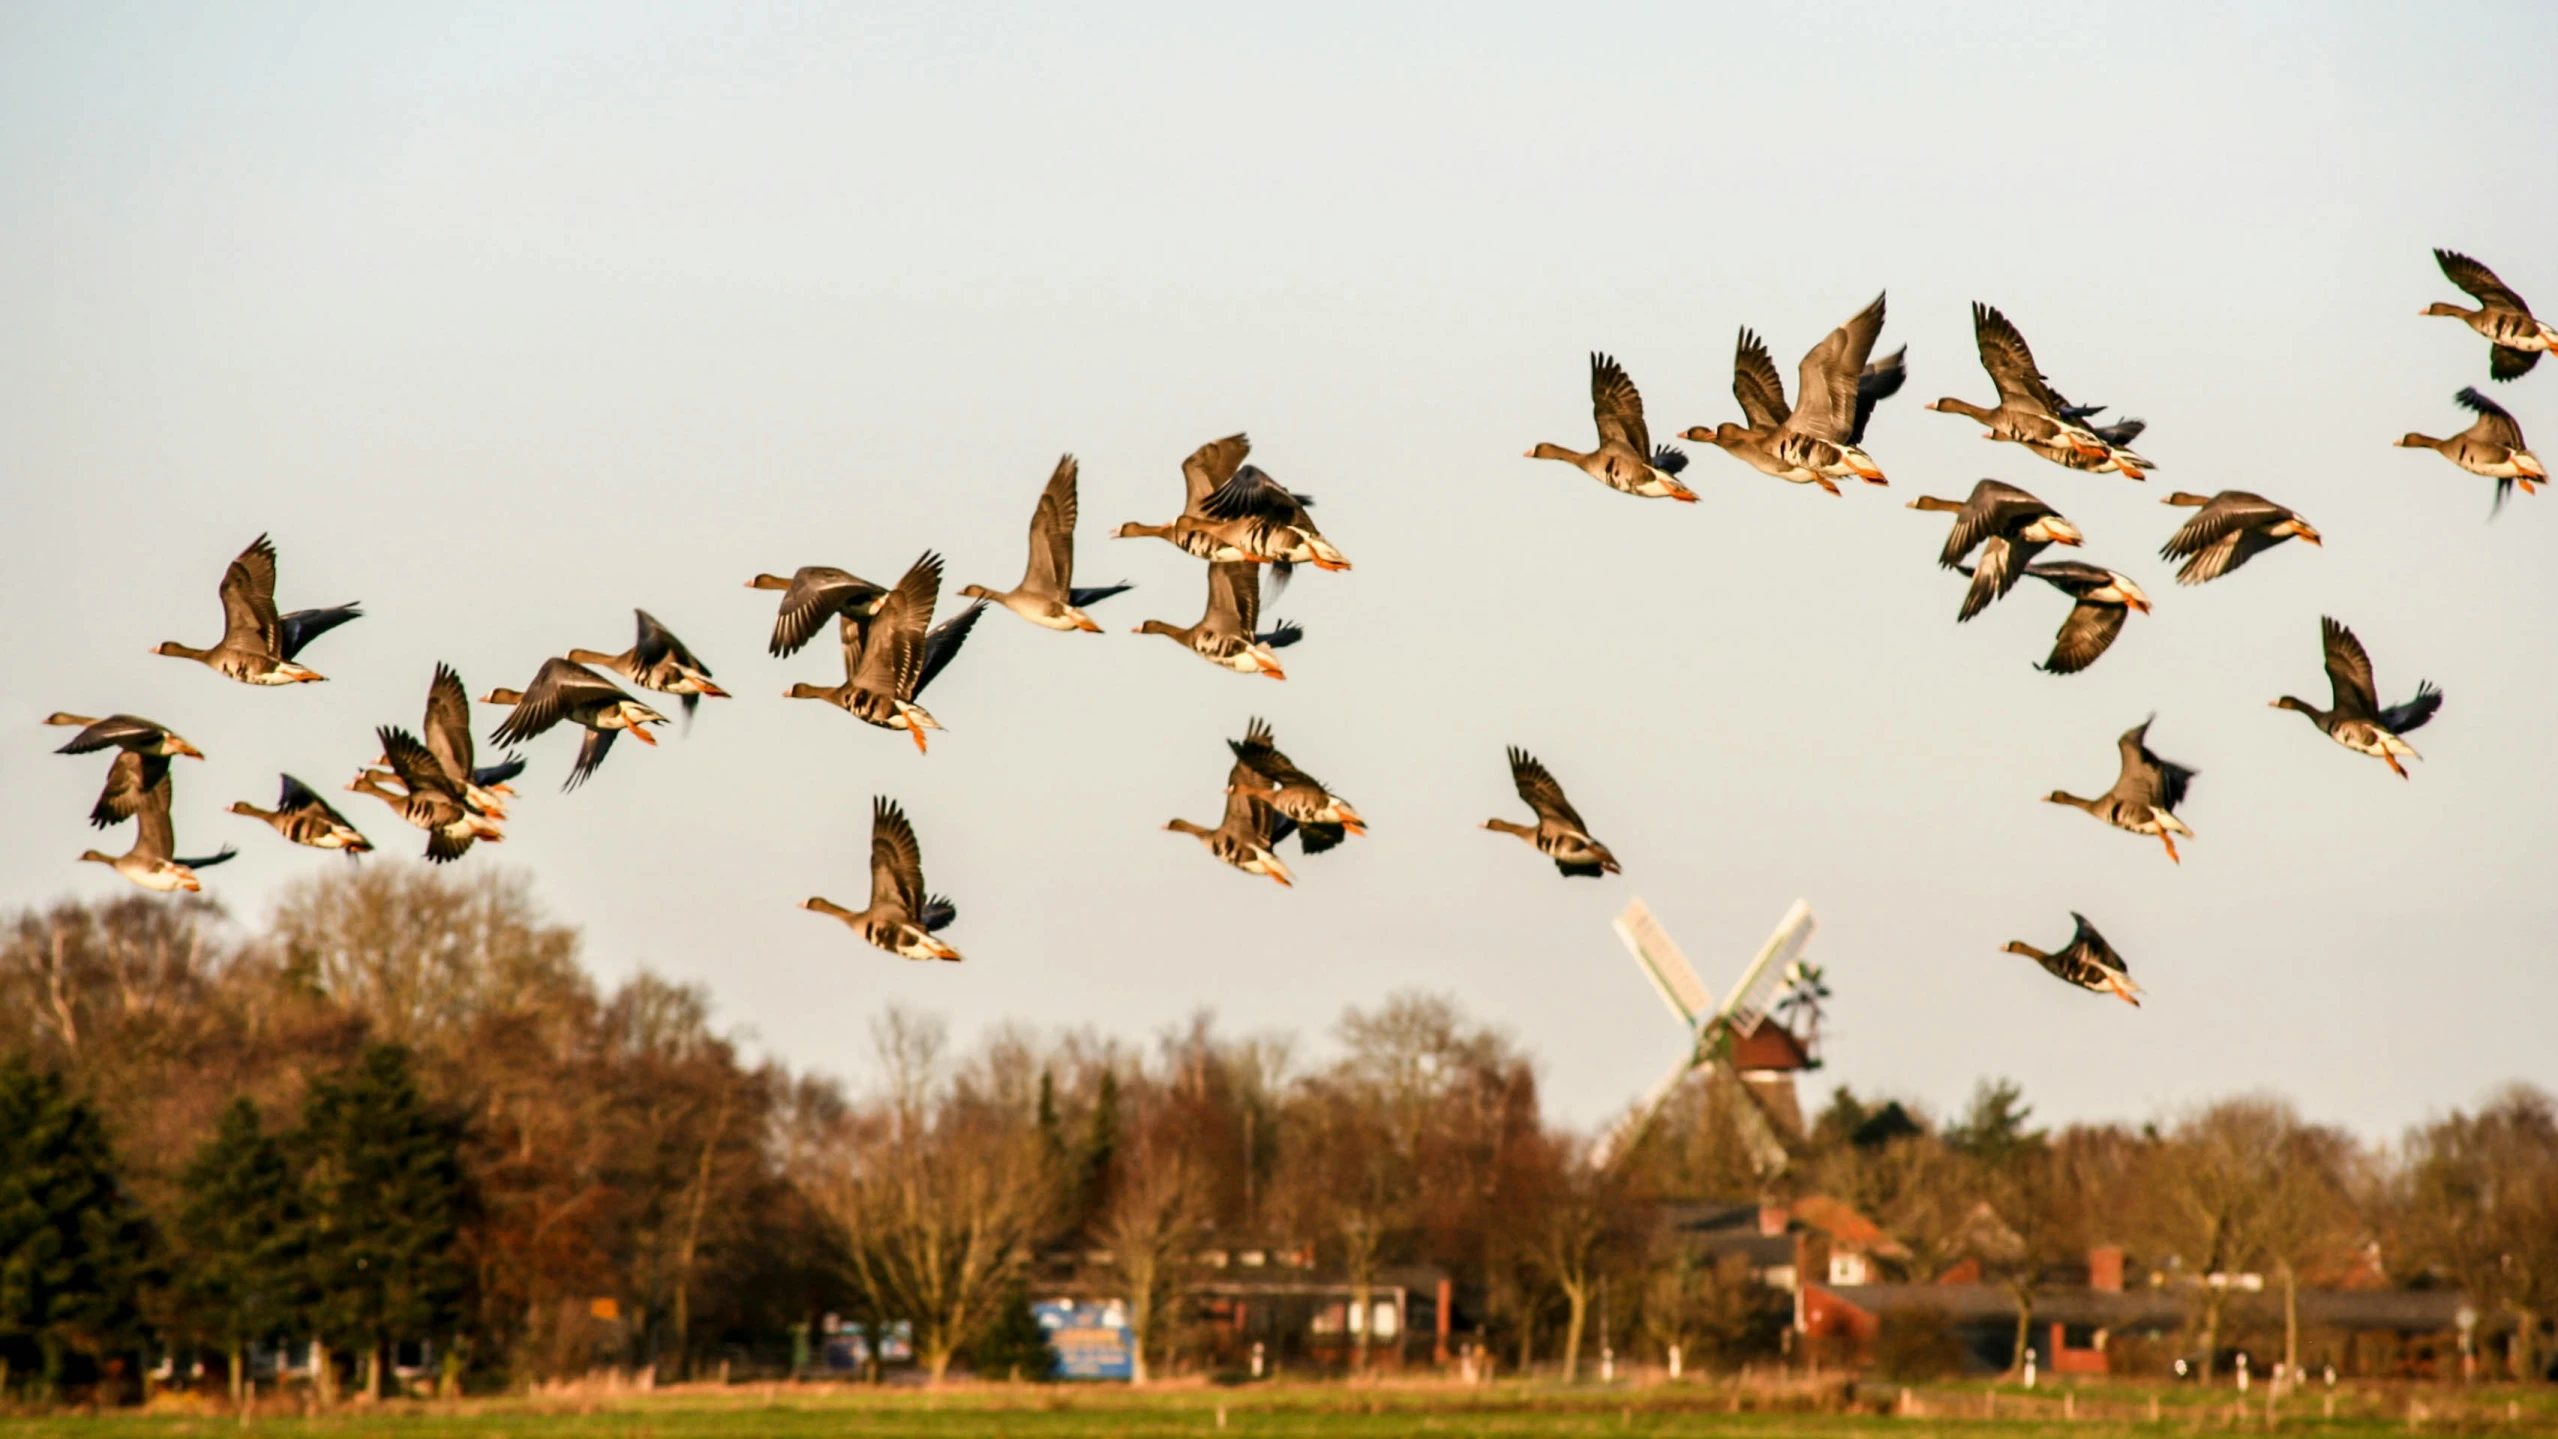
pixel 402 1112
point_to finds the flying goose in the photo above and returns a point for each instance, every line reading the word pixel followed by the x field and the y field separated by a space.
pixel 811 596
pixel 144 749
pixel 1204 473
pixel 2010 526
pixel 566 691
pixel 1625 460
pixel 2086 961
pixel 1233 511
pixel 447 729
pixel 1270 521
pixel 2491 446
pixel 1835 393
pixel 1321 817
pixel 901 918
pixel 2146 792
pixel 2028 413
pixel 940 644
pixel 660 662
pixel 1771 442
pixel 1558 833
pixel 151 863
pixel 1754 444
pixel 258 645
pixel 301 816
pixel 2357 721
pixel 2104 599
pixel 2515 339
pixel 2227 531
pixel 426 796
pixel 898 658
pixel 1226 635
pixel 1248 835
pixel 1047 596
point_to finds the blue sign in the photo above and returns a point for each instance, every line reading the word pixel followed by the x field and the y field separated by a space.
pixel 1092 1340
pixel 848 1348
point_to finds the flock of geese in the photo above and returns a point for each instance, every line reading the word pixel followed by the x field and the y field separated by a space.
pixel 1251 532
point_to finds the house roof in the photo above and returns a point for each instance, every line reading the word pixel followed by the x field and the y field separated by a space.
pixel 1845 1226
pixel 1416 1278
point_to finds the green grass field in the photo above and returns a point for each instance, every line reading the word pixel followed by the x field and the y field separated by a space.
pixel 1284 1410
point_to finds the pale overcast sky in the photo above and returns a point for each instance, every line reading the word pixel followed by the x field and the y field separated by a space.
pixel 504 319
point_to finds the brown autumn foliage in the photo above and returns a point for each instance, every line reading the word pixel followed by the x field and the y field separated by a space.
pixel 645 1192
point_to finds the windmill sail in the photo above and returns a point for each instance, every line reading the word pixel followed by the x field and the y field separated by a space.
pixel 1764 980
pixel 1673 978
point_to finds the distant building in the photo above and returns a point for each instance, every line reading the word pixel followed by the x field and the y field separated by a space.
pixel 2096 1326
pixel 1274 1298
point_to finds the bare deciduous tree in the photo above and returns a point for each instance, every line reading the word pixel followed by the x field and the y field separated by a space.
pixel 1576 1225
pixel 2481 1205
pixel 2207 1202
pixel 939 1209
pixel 1151 1227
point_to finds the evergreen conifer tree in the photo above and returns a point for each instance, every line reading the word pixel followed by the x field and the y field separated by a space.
pixel 384 1188
pixel 1014 1345
pixel 244 1276
pixel 1100 1149
pixel 75 1251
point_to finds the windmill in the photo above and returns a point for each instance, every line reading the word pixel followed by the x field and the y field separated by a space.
pixel 1737 1037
